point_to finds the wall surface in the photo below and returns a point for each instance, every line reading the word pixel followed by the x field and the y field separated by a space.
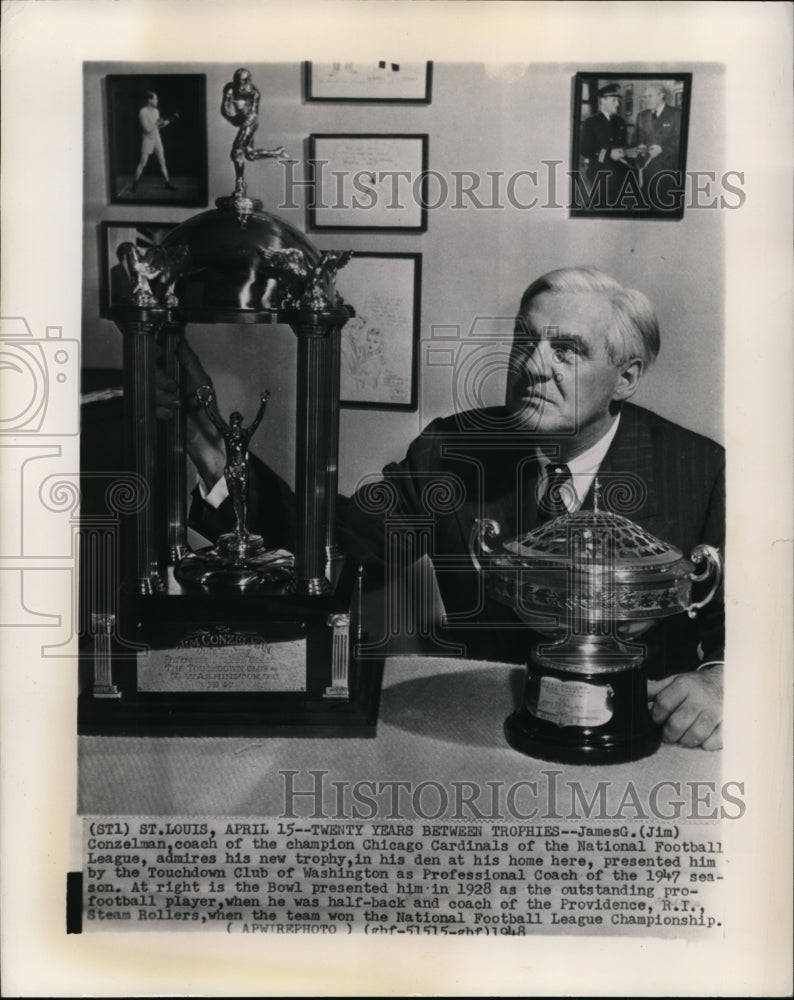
pixel 476 260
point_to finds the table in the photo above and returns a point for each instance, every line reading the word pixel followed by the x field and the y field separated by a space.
pixel 440 722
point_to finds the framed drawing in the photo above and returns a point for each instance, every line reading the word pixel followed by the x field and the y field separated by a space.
pixel 368 182
pixel 115 284
pixel 157 139
pixel 379 345
pixel 629 144
pixel 376 82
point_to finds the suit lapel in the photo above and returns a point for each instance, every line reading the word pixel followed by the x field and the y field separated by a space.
pixel 630 463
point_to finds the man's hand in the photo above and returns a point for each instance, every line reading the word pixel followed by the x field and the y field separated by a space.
pixel 690 707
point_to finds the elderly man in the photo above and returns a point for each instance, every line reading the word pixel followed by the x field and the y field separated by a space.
pixel 582 345
pixel 657 138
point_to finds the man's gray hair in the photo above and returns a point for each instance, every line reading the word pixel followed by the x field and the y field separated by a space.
pixel 661 87
pixel 634 332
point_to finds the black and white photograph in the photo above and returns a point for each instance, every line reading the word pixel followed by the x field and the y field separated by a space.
pixel 630 144
pixel 388 607
pixel 126 250
pixel 156 139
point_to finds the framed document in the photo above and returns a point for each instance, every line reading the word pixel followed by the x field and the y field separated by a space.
pixel 376 82
pixel 379 346
pixel 369 182
pixel 629 144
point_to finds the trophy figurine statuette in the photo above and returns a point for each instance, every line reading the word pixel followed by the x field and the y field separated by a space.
pixel 239 559
pixel 590 583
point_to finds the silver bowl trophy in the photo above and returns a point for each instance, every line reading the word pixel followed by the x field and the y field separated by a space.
pixel 591 583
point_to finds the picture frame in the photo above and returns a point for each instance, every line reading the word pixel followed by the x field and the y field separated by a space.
pixel 115 287
pixel 374 182
pixel 629 144
pixel 377 82
pixel 379 368
pixel 134 148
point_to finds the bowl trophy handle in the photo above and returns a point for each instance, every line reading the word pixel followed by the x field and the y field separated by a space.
pixel 484 532
pixel 713 560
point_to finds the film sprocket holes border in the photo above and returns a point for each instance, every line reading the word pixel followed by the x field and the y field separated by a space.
pixel 183 103
pixel 629 144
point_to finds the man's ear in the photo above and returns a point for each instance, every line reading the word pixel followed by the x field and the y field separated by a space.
pixel 629 378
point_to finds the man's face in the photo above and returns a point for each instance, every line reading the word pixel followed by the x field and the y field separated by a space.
pixel 610 104
pixel 154 100
pixel 561 381
pixel 654 98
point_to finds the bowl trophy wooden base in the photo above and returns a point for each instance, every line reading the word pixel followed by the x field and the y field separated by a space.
pixel 582 711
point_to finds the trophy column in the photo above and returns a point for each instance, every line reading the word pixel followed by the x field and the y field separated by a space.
pixel 140 445
pixel 334 361
pixel 176 492
pixel 316 450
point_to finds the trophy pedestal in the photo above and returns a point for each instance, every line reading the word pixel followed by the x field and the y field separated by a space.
pixel 225 661
pixel 583 714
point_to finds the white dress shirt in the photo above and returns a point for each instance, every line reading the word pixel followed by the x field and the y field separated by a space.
pixel 583 469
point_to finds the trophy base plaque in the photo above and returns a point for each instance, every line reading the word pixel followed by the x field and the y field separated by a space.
pixel 580 718
pixel 233 663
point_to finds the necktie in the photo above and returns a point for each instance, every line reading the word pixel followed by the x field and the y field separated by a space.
pixel 558 489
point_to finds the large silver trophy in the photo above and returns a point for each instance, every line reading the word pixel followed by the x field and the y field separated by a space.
pixel 591 583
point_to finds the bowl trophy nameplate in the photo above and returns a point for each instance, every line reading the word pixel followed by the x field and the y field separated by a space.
pixel 590 584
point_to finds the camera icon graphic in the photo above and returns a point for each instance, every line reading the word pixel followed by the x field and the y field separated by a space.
pixel 41 379
pixel 464 370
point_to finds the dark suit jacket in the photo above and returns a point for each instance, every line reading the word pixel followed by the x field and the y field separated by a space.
pixel 601 133
pixel 664 131
pixel 462 468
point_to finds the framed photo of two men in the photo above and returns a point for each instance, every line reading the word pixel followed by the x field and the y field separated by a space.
pixel 629 144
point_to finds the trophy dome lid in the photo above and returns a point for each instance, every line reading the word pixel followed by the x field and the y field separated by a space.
pixel 225 274
pixel 605 536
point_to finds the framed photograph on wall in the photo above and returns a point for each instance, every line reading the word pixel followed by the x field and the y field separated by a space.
pixel 376 82
pixel 157 139
pixel 368 182
pixel 115 284
pixel 379 345
pixel 629 144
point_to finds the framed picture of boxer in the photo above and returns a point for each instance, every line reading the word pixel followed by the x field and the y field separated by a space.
pixel 629 144
pixel 157 139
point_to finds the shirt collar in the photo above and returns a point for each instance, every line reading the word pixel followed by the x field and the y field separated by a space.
pixel 585 466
